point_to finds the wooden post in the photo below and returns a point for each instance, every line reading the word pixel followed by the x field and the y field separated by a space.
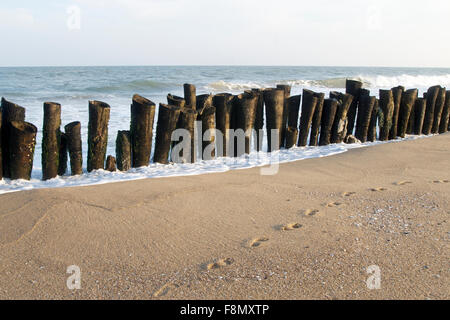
pixel 206 114
pixel 419 115
pixel 365 107
pixel 51 139
pixel 186 121
pixel 259 119
pixel 123 151
pixel 167 123
pixel 190 96
pixel 353 87
pixel 372 134
pixel 287 94
pixel 328 115
pixel 63 147
pixel 386 112
pixel 408 100
pixel 317 117
pixel 22 144
pixel 208 124
pixel 110 164
pixel 97 134
pixel 431 97
pixel 291 137
pixel 440 102
pixel 74 144
pixel 11 112
pixel 309 104
pixel 339 129
pixel 274 102
pixel 141 130
pixel 443 127
pixel 224 107
pixel 397 93
pixel 245 108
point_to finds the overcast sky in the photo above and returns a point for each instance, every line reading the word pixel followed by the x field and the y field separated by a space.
pixel 225 32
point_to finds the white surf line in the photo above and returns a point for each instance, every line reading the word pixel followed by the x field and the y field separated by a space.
pixel 179 170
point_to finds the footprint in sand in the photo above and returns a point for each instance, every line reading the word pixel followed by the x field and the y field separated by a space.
pixel 402 183
pixel 220 264
pixel 256 243
pixel 378 189
pixel 333 204
pixel 291 226
pixel 348 194
pixel 310 212
pixel 164 289
pixel 441 181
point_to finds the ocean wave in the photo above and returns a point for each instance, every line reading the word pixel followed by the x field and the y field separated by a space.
pixel 135 85
pixel 232 86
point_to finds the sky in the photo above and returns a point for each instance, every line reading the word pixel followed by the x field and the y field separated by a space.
pixel 400 33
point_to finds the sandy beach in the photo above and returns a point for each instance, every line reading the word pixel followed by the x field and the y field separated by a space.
pixel 309 232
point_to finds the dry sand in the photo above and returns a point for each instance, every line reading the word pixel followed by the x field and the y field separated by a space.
pixel 309 232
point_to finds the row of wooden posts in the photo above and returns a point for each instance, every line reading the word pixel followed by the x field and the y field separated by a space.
pixel 343 117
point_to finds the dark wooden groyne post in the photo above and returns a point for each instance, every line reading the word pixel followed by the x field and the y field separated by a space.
pixel 223 103
pixel 99 113
pixel 110 164
pixel 21 149
pixel 123 150
pixel 309 104
pixel 274 102
pixel 74 144
pixel 186 121
pixel 440 102
pixel 386 112
pixel 397 93
pixel 10 112
pixel 443 127
pixel 431 97
pixel 51 139
pixel 328 114
pixel 63 151
pixel 245 108
pixel 293 108
pixel 419 115
pixel 365 107
pixel 167 123
pixel 259 119
pixel 178 102
pixel 408 100
pixel 206 114
pixel 339 129
pixel 190 96
pixel 353 87
pixel 287 93
pixel 141 130
pixel 315 122
pixel 372 134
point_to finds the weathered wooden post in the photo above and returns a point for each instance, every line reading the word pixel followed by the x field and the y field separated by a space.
pixel 291 137
pixel 10 112
pixel 63 150
pixel 397 93
pixel 353 87
pixel 259 119
pixel 245 108
pixel 408 100
pixel 443 127
pixel 317 118
pixel 293 107
pixel 167 123
pixel 372 134
pixel 51 139
pixel 309 104
pixel 339 129
pixel 274 102
pixel 287 93
pixel 431 97
pixel 141 130
pixel 190 96
pixel 186 121
pixel 224 106
pixel 74 144
pixel 419 115
pixel 110 164
pixel 206 114
pixel 123 151
pixel 97 134
pixel 385 114
pixel 22 144
pixel 328 115
pixel 440 102
pixel 365 107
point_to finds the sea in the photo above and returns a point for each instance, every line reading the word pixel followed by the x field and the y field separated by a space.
pixel 73 87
